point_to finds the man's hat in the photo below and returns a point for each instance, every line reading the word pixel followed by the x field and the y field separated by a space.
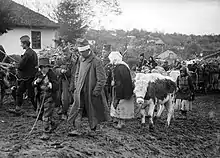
pixel 44 62
pixel 25 38
pixel 82 44
pixel 107 47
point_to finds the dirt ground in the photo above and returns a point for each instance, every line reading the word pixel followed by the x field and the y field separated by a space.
pixel 199 136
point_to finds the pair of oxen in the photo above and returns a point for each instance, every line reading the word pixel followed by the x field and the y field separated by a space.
pixel 157 92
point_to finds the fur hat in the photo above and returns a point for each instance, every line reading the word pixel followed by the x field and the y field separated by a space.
pixel 25 38
pixel 82 44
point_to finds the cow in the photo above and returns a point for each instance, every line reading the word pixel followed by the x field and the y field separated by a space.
pixel 155 89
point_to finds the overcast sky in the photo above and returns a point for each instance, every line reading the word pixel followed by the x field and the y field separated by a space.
pixel 182 16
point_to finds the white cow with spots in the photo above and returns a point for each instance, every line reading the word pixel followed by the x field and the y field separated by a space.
pixel 155 89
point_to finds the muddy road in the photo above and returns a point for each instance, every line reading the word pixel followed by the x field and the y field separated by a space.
pixel 199 136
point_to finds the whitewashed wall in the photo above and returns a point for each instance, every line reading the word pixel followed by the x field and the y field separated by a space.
pixel 11 40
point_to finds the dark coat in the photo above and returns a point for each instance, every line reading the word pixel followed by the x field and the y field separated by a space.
pixel 53 79
pixel 152 64
pixel 92 76
pixel 27 66
pixel 66 64
pixel 123 82
pixel 142 62
pixel 185 93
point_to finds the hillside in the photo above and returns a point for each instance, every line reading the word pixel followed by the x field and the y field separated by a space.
pixel 186 46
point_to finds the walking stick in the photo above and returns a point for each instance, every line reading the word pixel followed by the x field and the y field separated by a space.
pixel 42 103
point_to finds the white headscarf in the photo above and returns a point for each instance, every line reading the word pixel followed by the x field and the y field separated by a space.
pixel 116 58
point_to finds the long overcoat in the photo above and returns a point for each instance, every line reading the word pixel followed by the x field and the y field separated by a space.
pixel 92 76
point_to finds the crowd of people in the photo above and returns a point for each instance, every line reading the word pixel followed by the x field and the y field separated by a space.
pixel 99 89
pixel 53 86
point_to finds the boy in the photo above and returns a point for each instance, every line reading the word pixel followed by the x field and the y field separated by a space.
pixel 46 85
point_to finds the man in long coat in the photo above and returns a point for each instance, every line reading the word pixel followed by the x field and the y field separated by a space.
pixel 89 96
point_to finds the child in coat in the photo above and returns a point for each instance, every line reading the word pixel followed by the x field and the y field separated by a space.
pixel 46 85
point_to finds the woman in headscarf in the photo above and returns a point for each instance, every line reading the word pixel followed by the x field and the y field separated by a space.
pixel 185 92
pixel 122 106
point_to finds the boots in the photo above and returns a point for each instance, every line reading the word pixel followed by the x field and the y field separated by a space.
pixel 49 127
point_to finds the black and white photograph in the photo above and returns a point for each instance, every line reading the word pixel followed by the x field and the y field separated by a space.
pixel 109 78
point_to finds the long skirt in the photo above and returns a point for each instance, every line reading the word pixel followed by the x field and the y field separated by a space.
pixel 124 110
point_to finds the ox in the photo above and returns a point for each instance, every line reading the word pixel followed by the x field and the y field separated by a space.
pixel 156 89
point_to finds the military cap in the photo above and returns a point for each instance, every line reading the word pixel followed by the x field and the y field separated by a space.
pixel 25 38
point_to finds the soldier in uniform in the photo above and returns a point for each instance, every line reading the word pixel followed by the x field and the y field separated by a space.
pixel 64 71
pixel 105 53
pixel 26 73
pixel 108 69
pixel 89 97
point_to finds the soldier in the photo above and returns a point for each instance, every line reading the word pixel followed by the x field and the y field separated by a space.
pixel 108 69
pixel 89 97
pixel 26 73
pixel 64 73
pixel 105 53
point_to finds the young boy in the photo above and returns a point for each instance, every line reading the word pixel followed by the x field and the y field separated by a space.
pixel 46 85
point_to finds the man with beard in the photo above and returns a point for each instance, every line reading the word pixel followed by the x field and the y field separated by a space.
pixel 26 74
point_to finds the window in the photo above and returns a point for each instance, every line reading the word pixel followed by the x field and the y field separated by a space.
pixel 36 39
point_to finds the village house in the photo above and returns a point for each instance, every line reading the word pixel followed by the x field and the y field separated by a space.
pixel 39 28
pixel 168 55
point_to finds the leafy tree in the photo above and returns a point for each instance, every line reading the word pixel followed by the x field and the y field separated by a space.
pixel 70 20
pixel 5 16
pixel 192 50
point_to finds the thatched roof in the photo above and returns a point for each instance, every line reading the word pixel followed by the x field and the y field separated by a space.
pixel 25 17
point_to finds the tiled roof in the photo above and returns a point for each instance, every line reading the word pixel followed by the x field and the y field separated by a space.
pixel 25 17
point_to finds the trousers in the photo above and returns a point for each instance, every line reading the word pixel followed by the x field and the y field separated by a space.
pixel 24 85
